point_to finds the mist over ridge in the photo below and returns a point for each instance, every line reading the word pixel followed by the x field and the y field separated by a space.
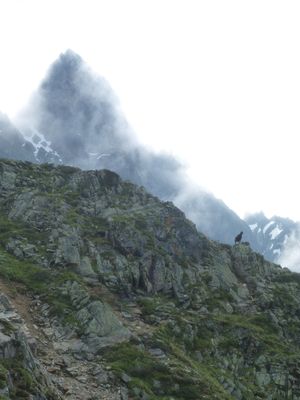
pixel 75 118
pixel 77 112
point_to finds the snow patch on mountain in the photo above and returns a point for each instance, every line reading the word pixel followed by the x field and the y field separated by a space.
pixel 286 238
pixel 275 232
pixel 268 226
pixel 98 156
pixel 278 239
pixel 39 142
pixel 253 227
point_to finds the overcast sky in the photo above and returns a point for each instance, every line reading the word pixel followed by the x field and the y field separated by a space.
pixel 216 83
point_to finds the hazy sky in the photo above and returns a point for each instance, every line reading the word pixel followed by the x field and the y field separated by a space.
pixel 216 83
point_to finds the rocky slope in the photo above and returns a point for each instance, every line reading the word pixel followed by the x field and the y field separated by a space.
pixel 107 292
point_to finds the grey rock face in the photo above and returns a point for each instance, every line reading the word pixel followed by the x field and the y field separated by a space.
pixel 7 347
pixel 15 350
pixel 99 325
pixel 85 268
pixel 100 320
pixel 68 249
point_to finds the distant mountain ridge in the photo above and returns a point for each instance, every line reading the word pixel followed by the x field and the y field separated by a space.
pixel 12 143
pixel 274 235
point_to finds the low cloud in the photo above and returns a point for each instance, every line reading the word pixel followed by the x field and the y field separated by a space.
pixel 79 117
pixel 290 256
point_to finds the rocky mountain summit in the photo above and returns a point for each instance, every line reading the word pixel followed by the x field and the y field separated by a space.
pixel 109 293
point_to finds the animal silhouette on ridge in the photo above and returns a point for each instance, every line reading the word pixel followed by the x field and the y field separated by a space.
pixel 238 238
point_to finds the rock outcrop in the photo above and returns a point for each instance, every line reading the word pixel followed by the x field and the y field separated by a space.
pixel 122 298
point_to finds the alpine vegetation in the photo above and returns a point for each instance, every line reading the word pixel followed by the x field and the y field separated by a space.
pixel 108 292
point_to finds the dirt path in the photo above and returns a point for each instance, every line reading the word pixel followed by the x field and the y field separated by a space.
pixel 21 303
pixel 74 379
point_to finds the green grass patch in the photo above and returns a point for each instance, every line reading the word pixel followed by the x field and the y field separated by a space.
pixel 16 228
pixel 35 278
pixel 178 378
pixel 3 376
pixel 41 281
pixel 288 277
pixel 256 327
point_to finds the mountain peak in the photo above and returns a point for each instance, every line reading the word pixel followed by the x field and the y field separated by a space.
pixel 62 71
pixel 69 60
pixel 70 55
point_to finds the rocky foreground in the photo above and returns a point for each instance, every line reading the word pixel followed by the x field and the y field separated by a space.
pixel 109 293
